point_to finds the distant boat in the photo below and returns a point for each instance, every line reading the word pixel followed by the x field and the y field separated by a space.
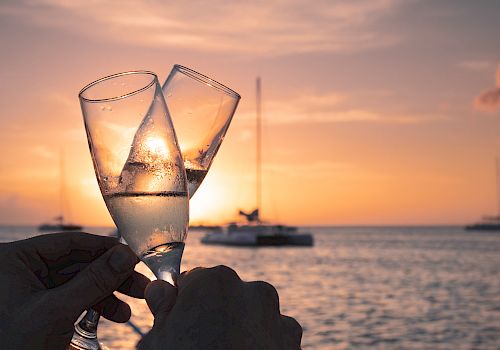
pixel 59 224
pixel 255 232
pixel 259 234
pixel 489 223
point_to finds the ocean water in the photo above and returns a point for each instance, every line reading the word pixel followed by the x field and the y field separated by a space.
pixel 361 288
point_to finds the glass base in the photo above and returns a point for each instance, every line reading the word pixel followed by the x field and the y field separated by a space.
pixel 165 261
pixel 85 336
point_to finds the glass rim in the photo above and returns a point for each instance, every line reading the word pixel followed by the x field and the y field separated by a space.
pixel 207 80
pixel 112 76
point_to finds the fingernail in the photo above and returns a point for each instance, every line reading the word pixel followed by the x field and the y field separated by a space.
pixel 122 259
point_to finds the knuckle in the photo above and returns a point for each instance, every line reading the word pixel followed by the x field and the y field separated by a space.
pixel 268 294
pixel 225 273
pixel 293 326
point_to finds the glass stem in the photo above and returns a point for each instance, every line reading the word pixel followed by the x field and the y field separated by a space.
pixel 85 336
pixel 165 261
pixel 89 323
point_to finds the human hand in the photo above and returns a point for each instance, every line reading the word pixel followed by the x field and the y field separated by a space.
pixel 48 281
pixel 214 309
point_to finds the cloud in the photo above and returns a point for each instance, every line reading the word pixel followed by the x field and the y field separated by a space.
pixel 489 100
pixel 262 27
pixel 476 65
pixel 318 169
pixel 43 152
pixel 331 108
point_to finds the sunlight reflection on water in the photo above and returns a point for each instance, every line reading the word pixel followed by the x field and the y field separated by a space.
pixel 376 288
pixel 366 288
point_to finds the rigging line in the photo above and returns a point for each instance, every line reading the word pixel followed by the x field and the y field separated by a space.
pixel 270 173
pixel 61 185
pixel 258 145
pixel 497 163
pixel 64 202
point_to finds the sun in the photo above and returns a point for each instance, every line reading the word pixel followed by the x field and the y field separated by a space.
pixel 156 147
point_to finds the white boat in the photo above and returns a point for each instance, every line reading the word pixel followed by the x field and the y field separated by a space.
pixel 259 235
pixel 255 232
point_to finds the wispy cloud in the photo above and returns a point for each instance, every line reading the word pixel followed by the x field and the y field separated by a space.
pixel 43 152
pixel 489 100
pixel 259 27
pixel 319 169
pixel 332 108
pixel 476 65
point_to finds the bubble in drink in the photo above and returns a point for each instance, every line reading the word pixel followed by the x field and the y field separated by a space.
pixel 150 165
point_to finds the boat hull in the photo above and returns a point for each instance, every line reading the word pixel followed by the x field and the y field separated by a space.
pixel 258 240
pixel 58 228
pixel 483 227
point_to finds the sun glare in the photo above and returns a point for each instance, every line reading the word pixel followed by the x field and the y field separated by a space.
pixel 211 203
pixel 156 146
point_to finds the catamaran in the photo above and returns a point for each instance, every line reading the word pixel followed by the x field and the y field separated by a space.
pixel 255 232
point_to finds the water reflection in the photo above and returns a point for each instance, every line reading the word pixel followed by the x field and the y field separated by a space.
pixel 376 288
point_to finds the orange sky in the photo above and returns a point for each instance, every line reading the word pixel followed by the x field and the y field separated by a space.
pixel 375 112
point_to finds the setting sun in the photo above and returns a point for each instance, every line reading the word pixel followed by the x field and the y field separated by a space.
pixel 155 147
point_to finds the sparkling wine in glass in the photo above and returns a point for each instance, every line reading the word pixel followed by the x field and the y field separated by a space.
pixel 138 167
pixel 201 109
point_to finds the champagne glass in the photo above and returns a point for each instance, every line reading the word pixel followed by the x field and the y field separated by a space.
pixel 140 174
pixel 201 109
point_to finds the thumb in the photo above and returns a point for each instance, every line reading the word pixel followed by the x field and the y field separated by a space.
pixel 97 281
pixel 161 297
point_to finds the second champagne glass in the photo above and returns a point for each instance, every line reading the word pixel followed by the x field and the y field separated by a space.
pixel 201 109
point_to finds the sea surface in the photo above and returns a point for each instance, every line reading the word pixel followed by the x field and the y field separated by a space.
pixel 361 287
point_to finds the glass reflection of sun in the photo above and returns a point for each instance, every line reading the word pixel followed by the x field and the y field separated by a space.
pixel 156 146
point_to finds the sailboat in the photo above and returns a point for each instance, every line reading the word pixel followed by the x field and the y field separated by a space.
pixel 255 232
pixel 59 224
pixel 489 223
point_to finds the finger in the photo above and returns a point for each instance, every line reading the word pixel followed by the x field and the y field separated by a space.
pixel 55 277
pixel 187 275
pixel 60 250
pixel 187 272
pixel 135 285
pixel 215 277
pixel 97 281
pixel 113 309
pixel 292 332
pixel 160 297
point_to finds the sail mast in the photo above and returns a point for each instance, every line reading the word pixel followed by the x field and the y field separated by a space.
pixel 497 163
pixel 61 186
pixel 258 145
